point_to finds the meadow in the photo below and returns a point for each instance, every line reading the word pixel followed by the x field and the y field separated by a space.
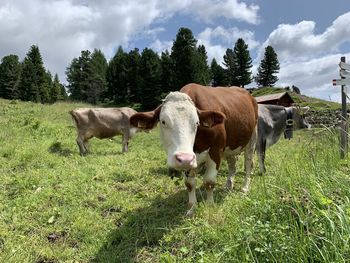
pixel 56 206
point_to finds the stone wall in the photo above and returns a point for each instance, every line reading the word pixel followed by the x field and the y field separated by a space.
pixel 328 118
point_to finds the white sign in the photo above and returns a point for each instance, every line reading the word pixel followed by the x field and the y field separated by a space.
pixel 345 66
pixel 343 73
pixel 341 82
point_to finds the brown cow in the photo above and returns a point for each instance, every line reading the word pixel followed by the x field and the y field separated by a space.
pixel 202 125
pixel 102 123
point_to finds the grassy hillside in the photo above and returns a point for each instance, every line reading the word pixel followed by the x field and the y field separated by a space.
pixel 302 100
pixel 56 206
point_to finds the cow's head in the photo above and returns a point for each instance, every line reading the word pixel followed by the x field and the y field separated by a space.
pixel 179 119
pixel 299 117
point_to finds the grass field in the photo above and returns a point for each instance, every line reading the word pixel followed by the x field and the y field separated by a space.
pixel 56 206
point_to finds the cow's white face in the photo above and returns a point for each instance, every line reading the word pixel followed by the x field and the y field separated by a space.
pixel 178 120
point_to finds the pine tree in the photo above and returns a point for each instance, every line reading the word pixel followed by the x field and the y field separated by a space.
pixel 63 93
pixel 47 96
pixel 229 63
pixel 267 68
pixel 134 78
pixel 86 76
pixel 86 72
pixel 10 70
pixel 32 85
pixel 117 77
pixel 150 70
pixel 56 90
pixel 73 74
pixel 183 55
pixel 219 76
pixel 242 64
pixel 97 82
pixel 167 73
pixel 202 71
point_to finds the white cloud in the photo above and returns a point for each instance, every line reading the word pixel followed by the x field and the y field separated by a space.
pixel 207 10
pixel 160 46
pixel 309 60
pixel 217 40
pixel 313 77
pixel 298 41
pixel 62 28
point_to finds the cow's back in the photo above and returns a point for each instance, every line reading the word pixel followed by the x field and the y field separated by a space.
pixel 237 104
pixel 102 122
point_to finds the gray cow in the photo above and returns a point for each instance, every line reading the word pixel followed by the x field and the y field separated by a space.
pixel 274 120
pixel 102 123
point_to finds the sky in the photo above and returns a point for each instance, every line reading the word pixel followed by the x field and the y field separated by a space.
pixel 309 36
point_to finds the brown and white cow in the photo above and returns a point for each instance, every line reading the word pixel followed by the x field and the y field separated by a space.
pixel 202 125
pixel 102 123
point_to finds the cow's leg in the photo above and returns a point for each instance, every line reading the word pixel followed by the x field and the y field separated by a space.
pixel 231 162
pixel 209 179
pixel 125 146
pixel 82 144
pixel 261 149
pixel 248 161
pixel 190 182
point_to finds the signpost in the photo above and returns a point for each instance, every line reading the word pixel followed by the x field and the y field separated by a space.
pixel 337 82
pixel 344 73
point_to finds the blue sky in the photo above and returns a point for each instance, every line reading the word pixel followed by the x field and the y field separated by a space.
pixel 309 36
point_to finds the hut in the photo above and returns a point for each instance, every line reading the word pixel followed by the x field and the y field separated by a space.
pixel 283 99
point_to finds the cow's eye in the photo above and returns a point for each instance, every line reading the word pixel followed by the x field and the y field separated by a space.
pixel 197 123
pixel 163 122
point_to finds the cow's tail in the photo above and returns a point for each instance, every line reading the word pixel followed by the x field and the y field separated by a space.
pixel 74 117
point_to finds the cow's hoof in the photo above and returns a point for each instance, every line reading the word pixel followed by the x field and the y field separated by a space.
pixel 245 190
pixel 210 201
pixel 229 185
pixel 190 211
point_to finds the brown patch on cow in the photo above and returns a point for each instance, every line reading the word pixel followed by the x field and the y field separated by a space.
pixel 209 185
pixel 188 186
pixel 240 110
pixel 209 119
pixel 146 120
pixel 213 139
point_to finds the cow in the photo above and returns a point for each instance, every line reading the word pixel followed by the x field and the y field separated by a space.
pixel 202 125
pixel 274 120
pixel 102 123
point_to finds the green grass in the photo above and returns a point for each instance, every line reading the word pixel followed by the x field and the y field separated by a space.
pixel 56 206
pixel 267 91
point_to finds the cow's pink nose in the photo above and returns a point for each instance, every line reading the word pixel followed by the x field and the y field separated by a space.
pixel 185 159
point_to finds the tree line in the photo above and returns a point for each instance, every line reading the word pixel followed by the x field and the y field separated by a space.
pixel 134 77
pixel 29 80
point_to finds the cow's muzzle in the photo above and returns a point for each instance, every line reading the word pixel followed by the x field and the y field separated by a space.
pixel 184 161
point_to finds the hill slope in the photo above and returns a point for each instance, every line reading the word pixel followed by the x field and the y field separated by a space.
pixel 302 100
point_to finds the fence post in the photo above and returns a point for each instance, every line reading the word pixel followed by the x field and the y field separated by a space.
pixel 344 122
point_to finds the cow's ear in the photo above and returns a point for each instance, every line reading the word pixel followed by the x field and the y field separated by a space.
pixel 145 120
pixel 209 118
